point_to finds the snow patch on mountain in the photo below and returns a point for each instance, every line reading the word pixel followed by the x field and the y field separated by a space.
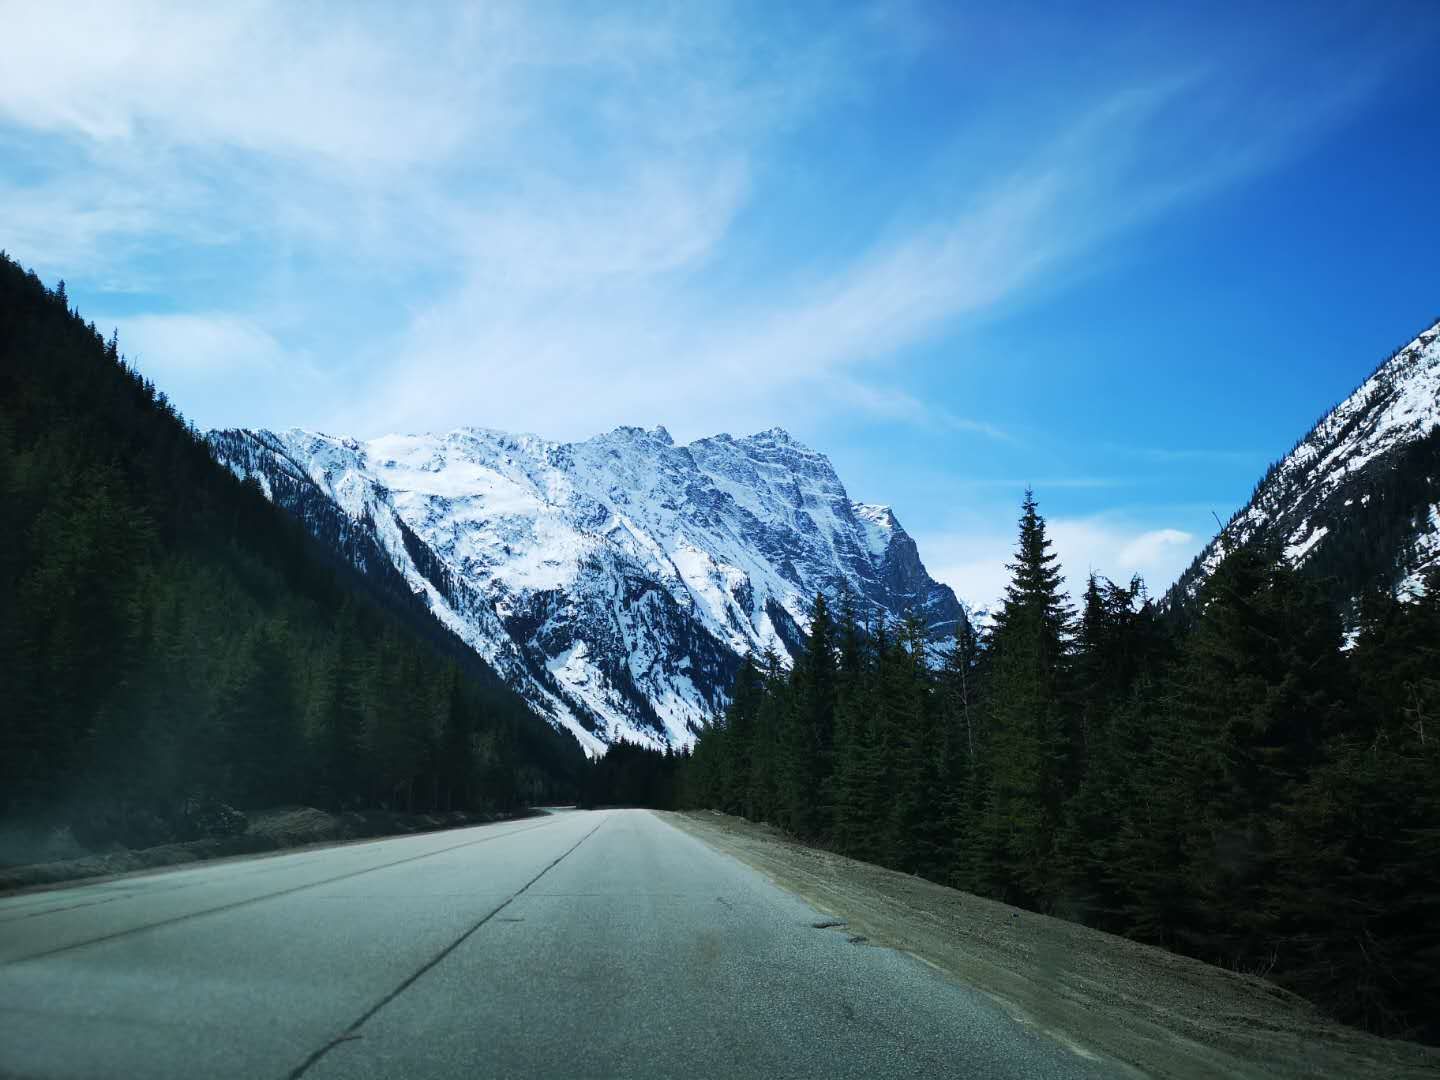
pixel 1295 553
pixel 1427 555
pixel 879 525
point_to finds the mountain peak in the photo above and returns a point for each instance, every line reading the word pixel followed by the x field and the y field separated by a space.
pixel 634 433
pixel 616 583
pixel 776 435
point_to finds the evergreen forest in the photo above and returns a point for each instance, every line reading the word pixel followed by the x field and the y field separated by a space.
pixel 172 641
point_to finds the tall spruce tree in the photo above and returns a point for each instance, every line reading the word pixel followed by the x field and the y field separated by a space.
pixel 915 840
pixel 848 816
pixel 1030 744
pixel 809 728
pixel 767 746
pixel 741 719
pixel 1119 647
pixel 960 739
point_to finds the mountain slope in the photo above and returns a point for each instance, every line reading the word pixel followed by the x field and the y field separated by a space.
pixel 170 638
pixel 615 582
pixel 1357 501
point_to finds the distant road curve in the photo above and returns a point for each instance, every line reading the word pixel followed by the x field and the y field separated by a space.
pixel 580 944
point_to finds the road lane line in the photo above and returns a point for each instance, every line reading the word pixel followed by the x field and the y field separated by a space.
pixel 353 1031
pixel 267 896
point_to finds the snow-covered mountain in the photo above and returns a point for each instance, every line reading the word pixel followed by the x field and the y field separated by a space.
pixel 615 582
pixel 1357 501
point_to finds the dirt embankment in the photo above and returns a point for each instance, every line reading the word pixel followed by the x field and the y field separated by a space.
pixel 1163 1014
pixel 268 830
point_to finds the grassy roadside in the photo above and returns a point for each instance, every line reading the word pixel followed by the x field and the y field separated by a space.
pixel 1101 995
pixel 283 829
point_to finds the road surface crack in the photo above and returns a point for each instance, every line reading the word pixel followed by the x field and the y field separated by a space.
pixel 353 1031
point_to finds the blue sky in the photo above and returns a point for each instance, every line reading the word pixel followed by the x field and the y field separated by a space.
pixel 1124 253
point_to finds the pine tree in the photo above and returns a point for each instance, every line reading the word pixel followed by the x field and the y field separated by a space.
pixel 766 746
pixel 961 741
pixel 732 781
pixel 258 720
pixel 1118 640
pixel 809 731
pixel 456 765
pixel 915 755
pixel 1093 686
pixel 1030 746
pixel 338 729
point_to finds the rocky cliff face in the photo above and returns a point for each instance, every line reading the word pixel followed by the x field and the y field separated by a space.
pixel 616 582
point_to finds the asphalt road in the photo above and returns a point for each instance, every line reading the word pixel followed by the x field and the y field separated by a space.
pixel 595 944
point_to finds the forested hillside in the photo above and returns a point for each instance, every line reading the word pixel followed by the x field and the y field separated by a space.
pixel 1242 791
pixel 173 641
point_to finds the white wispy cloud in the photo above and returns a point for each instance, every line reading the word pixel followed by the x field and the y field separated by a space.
pixel 973 562
pixel 694 362
pixel 184 352
pixel 192 343
pixel 316 81
pixel 562 183
pixel 817 340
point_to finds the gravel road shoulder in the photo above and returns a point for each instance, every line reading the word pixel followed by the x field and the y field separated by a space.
pixel 1167 1015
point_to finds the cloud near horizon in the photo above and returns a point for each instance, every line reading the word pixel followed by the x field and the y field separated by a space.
pixel 974 564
